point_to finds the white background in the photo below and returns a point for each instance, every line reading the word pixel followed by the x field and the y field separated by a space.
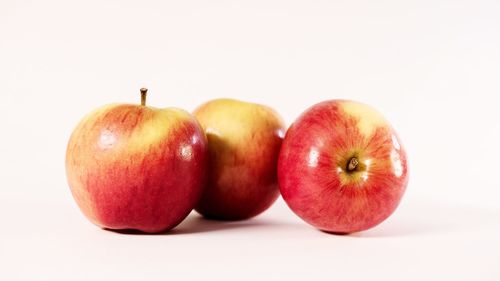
pixel 432 67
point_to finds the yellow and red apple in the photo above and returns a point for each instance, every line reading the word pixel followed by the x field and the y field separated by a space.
pixel 244 141
pixel 342 167
pixel 137 167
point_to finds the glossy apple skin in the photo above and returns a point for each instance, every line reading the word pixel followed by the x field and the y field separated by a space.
pixel 137 167
pixel 244 141
pixel 313 174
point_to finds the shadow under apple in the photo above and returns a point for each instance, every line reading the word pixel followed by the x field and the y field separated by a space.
pixel 195 223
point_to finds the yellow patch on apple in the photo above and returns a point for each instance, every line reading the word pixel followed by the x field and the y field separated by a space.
pixel 368 118
pixel 156 129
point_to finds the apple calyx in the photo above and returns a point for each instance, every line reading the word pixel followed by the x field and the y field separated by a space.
pixel 144 92
pixel 352 164
pixel 353 168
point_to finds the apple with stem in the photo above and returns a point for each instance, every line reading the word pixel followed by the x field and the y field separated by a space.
pixel 244 140
pixel 137 167
pixel 342 167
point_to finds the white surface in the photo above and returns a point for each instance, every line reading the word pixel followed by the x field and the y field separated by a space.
pixel 432 68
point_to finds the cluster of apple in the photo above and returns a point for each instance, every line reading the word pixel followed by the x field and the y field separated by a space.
pixel 340 167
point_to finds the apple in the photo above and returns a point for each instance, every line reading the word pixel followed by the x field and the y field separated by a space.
pixel 342 167
pixel 244 140
pixel 137 167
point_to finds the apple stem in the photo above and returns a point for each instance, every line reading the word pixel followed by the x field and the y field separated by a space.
pixel 144 92
pixel 353 163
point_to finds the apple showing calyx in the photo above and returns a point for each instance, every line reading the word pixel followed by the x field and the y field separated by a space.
pixel 137 167
pixel 342 167
pixel 244 141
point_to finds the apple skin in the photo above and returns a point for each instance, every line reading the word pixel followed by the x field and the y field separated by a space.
pixel 137 167
pixel 244 140
pixel 313 169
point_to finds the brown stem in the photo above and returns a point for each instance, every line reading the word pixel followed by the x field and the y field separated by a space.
pixel 144 93
pixel 353 163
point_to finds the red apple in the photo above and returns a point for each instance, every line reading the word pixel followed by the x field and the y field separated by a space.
pixel 137 167
pixel 342 167
pixel 244 141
